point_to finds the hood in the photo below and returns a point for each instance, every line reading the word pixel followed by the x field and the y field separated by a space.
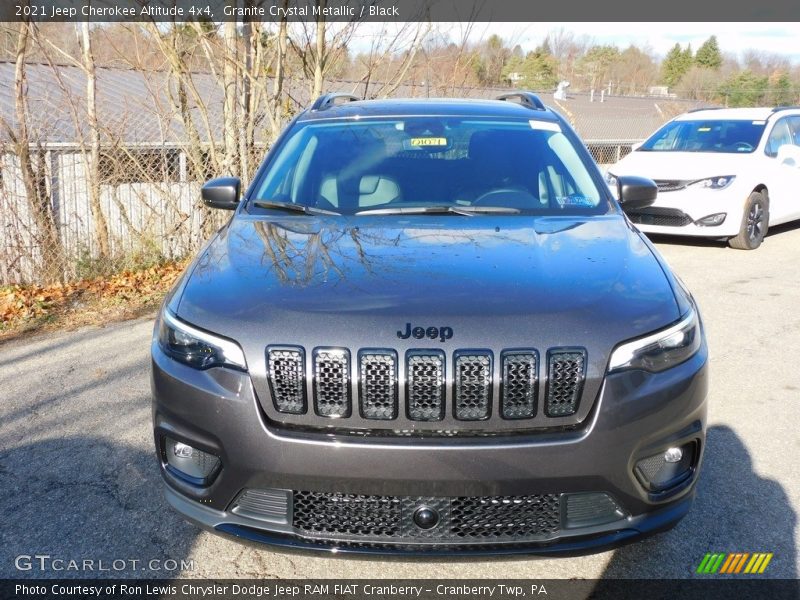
pixel 681 165
pixel 497 282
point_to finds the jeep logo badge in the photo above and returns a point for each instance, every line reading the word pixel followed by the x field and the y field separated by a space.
pixel 443 333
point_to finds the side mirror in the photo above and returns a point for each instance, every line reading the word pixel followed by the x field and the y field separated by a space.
pixel 222 192
pixel 789 155
pixel 636 192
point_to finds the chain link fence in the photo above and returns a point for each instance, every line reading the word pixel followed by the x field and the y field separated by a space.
pixel 78 201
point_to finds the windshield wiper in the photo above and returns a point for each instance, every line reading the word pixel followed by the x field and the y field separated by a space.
pixel 291 207
pixel 468 211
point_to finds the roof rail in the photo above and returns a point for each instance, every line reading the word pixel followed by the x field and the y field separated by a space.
pixel 693 110
pixel 780 108
pixel 328 100
pixel 526 99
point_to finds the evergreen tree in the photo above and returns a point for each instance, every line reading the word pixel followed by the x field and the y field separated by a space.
pixel 596 64
pixel 781 90
pixel 708 55
pixel 676 64
pixel 539 70
pixel 744 89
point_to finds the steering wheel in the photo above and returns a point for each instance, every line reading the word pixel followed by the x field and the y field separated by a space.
pixel 507 198
pixel 744 146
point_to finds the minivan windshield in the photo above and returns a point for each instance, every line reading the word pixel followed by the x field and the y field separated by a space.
pixel 429 165
pixel 731 136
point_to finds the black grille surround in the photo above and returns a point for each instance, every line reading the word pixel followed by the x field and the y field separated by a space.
pixel 565 374
pixel 461 520
pixel 472 385
pixel 371 392
pixel 377 384
pixel 660 217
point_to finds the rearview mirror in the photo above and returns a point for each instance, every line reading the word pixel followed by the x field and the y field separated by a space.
pixel 222 192
pixel 636 192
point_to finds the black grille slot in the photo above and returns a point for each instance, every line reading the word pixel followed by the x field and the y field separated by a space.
pixel 670 185
pixel 377 385
pixel 425 385
pixel 519 384
pixel 472 385
pixel 474 519
pixel 565 376
pixel 332 382
pixel 347 514
pixel 286 370
pixel 662 217
pixel 505 517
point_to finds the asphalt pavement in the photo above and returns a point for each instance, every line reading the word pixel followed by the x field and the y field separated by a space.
pixel 79 480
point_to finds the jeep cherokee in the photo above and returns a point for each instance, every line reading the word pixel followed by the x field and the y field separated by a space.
pixel 429 327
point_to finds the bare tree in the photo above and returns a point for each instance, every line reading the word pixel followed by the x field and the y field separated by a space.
pixel 33 167
pixel 91 159
pixel 320 48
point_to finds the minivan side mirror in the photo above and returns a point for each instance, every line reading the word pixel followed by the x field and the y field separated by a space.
pixel 222 192
pixel 636 192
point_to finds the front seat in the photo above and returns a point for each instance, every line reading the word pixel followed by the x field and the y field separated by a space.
pixel 374 190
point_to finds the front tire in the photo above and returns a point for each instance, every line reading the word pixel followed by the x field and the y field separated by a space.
pixel 755 222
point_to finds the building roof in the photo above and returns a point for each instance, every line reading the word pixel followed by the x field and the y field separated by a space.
pixel 138 107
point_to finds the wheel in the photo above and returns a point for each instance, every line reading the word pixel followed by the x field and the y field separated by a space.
pixel 755 222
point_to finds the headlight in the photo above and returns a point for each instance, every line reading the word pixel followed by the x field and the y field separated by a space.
pixel 613 184
pixel 714 183
pixel 661 350
pixel 197 348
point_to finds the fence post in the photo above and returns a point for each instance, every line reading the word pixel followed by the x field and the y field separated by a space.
pixel 182 166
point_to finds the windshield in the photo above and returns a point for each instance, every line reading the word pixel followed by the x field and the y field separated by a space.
pixel 430 165
pixel 706 136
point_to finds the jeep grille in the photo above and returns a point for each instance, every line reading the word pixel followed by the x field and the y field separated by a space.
pixel 332 382
pixel 564 382
pixel 520 387
pixel 427 386
pixel 377 384
pixel 287 379
pixel 473 386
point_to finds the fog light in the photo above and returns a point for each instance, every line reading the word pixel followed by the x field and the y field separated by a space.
pixel 712 220
pixel 667 469
pixel 182 450
pixel 589 509
pixel 190 463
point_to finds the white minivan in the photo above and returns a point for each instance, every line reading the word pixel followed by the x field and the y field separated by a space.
pixel 721 173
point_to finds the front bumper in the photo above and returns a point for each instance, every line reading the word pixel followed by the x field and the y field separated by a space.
pixel 636 415
pixel 696 205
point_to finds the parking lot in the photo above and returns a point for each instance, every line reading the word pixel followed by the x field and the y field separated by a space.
pixel 78 479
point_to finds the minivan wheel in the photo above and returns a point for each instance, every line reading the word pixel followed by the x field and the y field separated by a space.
pixel 755 222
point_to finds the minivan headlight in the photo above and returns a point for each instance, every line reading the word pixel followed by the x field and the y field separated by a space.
pixel 661 350
pixel 197 348
pixel 720 182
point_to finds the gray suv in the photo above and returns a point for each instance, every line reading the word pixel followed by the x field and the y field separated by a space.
pixel 428 327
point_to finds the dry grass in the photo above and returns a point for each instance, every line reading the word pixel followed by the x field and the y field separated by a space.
pixel 33 308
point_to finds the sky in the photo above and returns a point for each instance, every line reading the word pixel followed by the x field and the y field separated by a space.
pixel 777 38
pixel 733 38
